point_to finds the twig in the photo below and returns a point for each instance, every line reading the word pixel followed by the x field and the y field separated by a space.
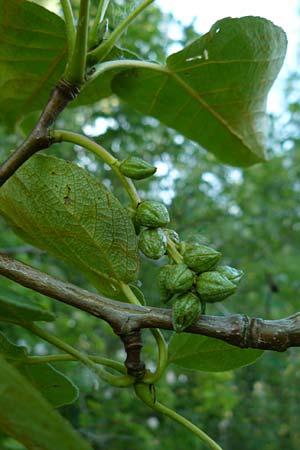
pixel 39 138
pixel 238 330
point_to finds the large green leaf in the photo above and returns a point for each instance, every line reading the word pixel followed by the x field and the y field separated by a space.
pixel 19 309
pixel 32 57
pixel 61 208
pixel 52 384
pixel 29 418
pixel 208 354
pixel 214 91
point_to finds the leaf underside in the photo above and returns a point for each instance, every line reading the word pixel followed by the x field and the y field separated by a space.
pixel 208 354
pixel 61 208
pixel 214 91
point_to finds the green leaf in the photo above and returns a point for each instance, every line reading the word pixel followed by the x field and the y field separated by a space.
pixel 61 208
pixel 10 351
pixel 208 354
pixel 18 309
pixel 32 57
pixel 214 91
pixel 28 417
pixel 52 384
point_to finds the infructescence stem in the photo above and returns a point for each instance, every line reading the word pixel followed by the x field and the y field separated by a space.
pixel 70 26
pixel 118 381
pixel 69 358
pixel 83 141
pixel 75 70
pixel 102 51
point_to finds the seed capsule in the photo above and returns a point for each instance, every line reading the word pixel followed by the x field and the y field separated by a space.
pixel 213 287
pixel 234 275
pixel 179 279
pixel 199 257
pixel 153 243
pixel 185 310
pixel 136 168
pixel 152 214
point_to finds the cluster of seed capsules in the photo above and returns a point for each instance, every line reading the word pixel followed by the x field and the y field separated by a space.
pixel 194 281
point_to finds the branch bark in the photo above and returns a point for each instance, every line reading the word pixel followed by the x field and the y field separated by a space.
pixel 39 138
pixel 238 330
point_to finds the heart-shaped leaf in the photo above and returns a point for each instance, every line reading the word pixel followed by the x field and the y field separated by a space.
pixel 59 207
pixel 29 418
pixel 214 91
pixel 18 309
pixel 208 354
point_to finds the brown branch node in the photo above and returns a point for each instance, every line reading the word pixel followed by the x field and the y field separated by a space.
pixel 133 345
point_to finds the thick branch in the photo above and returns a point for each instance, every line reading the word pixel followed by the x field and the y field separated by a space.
pixel 39 138
pixel 238 330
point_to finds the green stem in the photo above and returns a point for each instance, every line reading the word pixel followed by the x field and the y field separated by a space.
pixel 143 393
pixel 173 252
pixel 101 11
pixel 83 141
pixel 102 51
pixel 70 26
pixel 150 378
pixel 75 71
pixel 118 381
pixel 66 358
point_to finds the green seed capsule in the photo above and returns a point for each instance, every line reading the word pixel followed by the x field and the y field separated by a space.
pixel 152 214
pixel 163 275
pixel 213 287
pixel 185 310
pixel 153 243
pixel 200 258
pixel 136 168
pixel 179 279
pixel 234 275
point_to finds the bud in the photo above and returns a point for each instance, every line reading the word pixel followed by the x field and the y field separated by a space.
pixel 136 168
pixel 185 310
pixel 153 243
pixel 199 257
pixel 234 275
pixel 180 279
pixel 213 287
pixel 152 214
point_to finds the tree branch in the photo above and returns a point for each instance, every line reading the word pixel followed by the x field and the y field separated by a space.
pixel 238 330
pixel 39 138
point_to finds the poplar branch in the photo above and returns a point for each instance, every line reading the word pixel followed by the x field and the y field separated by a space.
pixel 238 330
